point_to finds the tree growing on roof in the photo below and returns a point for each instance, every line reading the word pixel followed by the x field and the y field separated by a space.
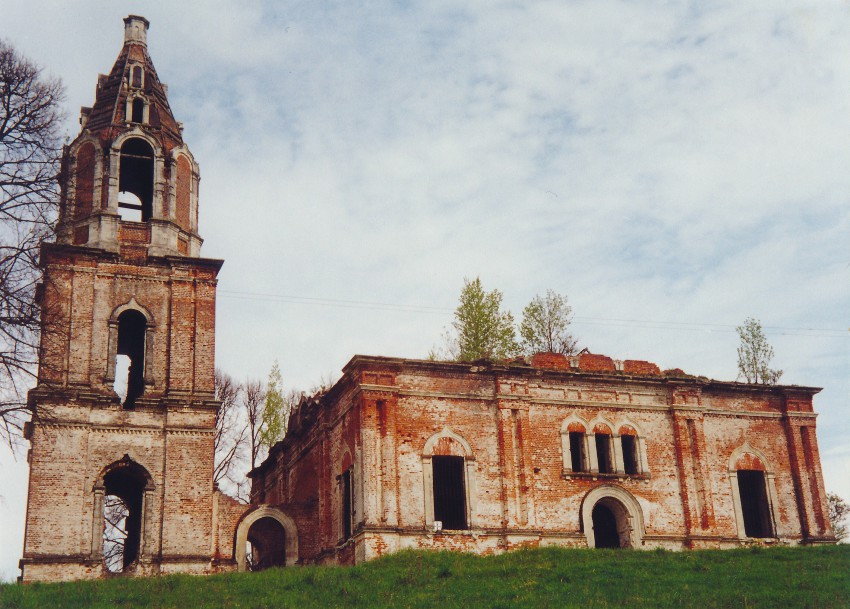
pixel 545 325
pixel 481 329
pixel 754 355
pixel 30 148
pixel 277 408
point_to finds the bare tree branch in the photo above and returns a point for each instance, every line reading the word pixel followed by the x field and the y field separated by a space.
pixel 30 148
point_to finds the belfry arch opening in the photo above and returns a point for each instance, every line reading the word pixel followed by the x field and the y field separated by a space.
pixel 138 111
pixel 266 545
pixel 135 180
pixel 123 508
pixel 130 357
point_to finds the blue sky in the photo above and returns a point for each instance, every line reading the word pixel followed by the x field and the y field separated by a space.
pixel 673 167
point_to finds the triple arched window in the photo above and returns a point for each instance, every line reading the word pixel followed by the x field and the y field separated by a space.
pixel 593 448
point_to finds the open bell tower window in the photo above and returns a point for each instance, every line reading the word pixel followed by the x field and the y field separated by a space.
pixel 135 180
pixel 138 111
pixel 130 357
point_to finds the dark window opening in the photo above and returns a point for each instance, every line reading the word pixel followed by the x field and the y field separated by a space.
pixel 266 545
pixel 754 506
pixel 131 344
pixel 137 76
pixel 122 517
pixel 603 453
pixel 136 177
pixel 577 456
pixel 630 455
pixel 449 492
pixel 138 111
pixel 605 533
pixel 345 482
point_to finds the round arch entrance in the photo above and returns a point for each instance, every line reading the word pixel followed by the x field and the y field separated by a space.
pixel 265 537
pixel 612 518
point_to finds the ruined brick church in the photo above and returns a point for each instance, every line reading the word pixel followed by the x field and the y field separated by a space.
pixel 580 451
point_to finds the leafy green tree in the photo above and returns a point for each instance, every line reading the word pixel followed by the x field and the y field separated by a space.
pixel 838 511
pixel 754 355
pixel 483 330
pixel 274 418
pixel 545 323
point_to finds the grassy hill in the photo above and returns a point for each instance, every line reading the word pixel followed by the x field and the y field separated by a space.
pixel 747 578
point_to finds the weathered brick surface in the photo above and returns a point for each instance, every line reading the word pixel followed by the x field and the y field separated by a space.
pixel 99 267
pixel 692 433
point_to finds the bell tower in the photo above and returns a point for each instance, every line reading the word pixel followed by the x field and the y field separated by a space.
pixel 121 459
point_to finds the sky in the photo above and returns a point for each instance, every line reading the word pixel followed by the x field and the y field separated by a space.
pixel 672 167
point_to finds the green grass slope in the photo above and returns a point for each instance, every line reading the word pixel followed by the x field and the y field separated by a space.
pixel 748 578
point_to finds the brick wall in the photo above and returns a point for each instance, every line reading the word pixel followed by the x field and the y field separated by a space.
pixel 520 488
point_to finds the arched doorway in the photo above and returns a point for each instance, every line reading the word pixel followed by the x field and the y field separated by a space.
pixel 123 488
pixel 610 524
pixel 265 537
pixel 266 545
pixel 611 517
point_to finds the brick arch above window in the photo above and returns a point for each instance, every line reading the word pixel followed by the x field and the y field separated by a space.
pixel 133 305
pixel 602 428
pixel 749 458
pixel 573 423
pixel 447 443
pixel 346 461
pixel 138 133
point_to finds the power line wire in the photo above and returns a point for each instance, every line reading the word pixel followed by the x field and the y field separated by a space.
pixel 577 320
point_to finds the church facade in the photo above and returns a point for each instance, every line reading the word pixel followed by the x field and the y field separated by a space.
pixel 484 457
pixel 580 451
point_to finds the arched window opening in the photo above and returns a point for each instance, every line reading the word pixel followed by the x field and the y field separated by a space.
pixel 131 344
pixel 449 492
pixel 138 111
pixel 136 177
pixel 630 455
pixel 266 545
pixel 347 499
pixel 754 505
pixel 603 453
pixel 124 489
pixel 577 452
pixel 136 80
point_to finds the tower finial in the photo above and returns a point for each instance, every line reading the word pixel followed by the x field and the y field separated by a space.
pixel 136 29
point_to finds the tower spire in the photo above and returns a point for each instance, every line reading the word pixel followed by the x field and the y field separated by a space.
pixel 129 165
pixel 136 30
